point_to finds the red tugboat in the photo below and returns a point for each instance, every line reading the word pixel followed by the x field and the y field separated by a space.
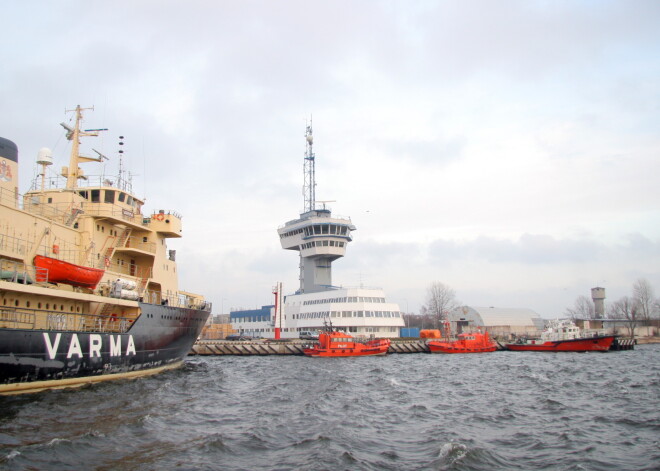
pixel 473 342
pixel 564 336
pixel 339 344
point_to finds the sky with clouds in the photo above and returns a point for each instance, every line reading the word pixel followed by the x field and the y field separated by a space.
pixel 509 150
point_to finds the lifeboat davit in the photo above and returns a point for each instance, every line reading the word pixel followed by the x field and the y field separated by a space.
pixel 340 344
pixel 474 342
pixel 59 271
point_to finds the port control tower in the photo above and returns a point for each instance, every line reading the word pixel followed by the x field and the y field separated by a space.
pixel 319 237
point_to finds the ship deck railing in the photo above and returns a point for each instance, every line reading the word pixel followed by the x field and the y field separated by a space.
pixel 138 243
pixel 177 300
pixel 18 272
pixel 66 213
pixel 32 319
pixel 54 182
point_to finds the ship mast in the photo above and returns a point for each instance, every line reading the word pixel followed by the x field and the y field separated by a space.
pixel 309 186
pixel 73 172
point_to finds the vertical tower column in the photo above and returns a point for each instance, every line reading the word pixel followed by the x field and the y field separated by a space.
pixel 598 297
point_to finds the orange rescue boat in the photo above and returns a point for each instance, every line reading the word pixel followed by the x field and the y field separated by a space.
pixel 474 342
pixel 340 344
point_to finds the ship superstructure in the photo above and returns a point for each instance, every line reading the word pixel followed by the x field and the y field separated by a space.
pixel 321 238
pixel 89 290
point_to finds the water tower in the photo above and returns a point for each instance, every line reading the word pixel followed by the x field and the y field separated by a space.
pixel 598 296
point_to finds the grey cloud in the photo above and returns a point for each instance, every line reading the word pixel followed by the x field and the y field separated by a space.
pixel 436 151
pixel 535 249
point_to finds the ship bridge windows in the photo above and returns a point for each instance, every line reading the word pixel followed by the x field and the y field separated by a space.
pixel 96 196
pixel 109 196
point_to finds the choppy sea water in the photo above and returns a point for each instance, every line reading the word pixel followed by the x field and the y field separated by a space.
pixel 503 410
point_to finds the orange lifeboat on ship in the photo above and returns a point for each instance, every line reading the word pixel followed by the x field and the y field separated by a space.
pixel 57 271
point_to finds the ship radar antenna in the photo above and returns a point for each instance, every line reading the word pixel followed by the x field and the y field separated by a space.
pixel 124 182
pixel 309 187
pixel 121 163
pixel 45 159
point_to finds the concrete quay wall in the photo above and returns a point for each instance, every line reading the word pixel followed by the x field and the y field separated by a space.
pixel 294 347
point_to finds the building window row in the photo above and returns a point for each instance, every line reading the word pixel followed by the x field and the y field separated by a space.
pixel 318 229
pixel 337 314
pixel 291 233
pixel 322 243
pixel 345 299
pixel 251 319
pixel 326 229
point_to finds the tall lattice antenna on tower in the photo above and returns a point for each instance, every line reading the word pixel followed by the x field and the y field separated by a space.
pixel 309 187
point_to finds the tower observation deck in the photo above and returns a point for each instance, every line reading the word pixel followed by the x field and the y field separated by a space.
pixel 319 237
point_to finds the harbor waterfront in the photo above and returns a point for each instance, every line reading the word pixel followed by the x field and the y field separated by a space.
pixel 500 411
pixel 295 347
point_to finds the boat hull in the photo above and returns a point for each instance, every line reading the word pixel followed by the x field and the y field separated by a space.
pixel 590 344
pixel 448 347
pixel 58 271
pixel 468 342
pixel 337 352
pixel 33 360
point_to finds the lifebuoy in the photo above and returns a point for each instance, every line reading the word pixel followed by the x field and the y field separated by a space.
pixel 107 262
pixel 160 217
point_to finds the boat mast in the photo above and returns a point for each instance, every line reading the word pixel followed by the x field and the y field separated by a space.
pixel 73 172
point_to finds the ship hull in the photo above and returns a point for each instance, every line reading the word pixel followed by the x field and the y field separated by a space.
pixel 33 360
pixel 591 344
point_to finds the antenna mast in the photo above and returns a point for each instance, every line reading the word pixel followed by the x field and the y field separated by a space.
pixel 309 187
pixel 73 172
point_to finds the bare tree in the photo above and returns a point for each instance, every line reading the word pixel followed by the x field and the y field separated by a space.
pixel 440 299
pixel 582 309
pixel 643 296
pixel 626 309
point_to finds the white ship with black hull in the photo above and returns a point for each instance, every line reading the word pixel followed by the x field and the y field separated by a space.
pixel 88 290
